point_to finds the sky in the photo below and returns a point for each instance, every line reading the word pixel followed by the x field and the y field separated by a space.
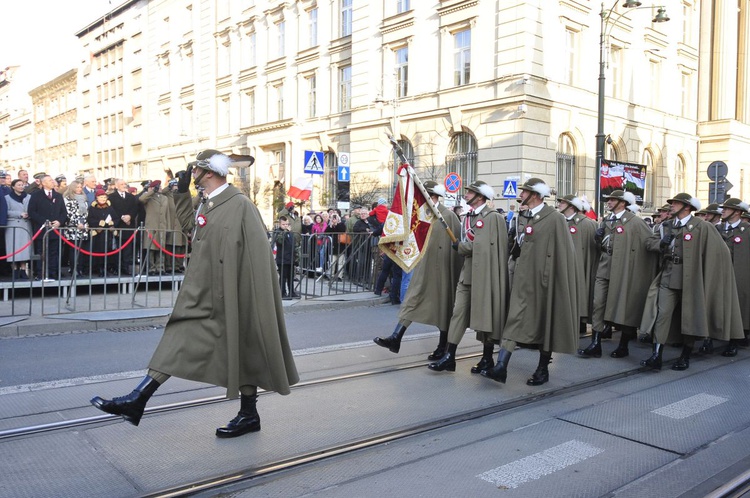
pixel 39 35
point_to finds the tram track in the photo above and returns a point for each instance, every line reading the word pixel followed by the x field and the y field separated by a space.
pixel 242 478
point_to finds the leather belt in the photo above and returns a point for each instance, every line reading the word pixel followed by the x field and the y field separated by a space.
pixel 676 260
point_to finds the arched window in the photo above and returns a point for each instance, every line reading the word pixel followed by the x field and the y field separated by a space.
pixel 566 166
pixel 679 175
pixel 462 156
pixel 610 151
pixel 649 194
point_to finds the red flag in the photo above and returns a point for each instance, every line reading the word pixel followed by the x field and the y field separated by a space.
pixel 301 188
pixel 408 224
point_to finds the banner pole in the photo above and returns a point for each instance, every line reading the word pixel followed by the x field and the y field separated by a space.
pixel 421 188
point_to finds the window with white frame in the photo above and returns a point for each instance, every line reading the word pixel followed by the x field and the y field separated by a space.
pixel 610 151
pixel 280 39
pixel 566 165
pixel 312 97
pixel 279 159
pixel 462 156
pixel 222 56
pixel 247 108
pixel 402 6
pixel 223 111
pixel 164 125
pixel 571 56
pixel 402 71
pixel 278 90
pixel 687 23
pixel 312 22
pixel 685 84
pixel 186 121
pixel 462 57
pixel 615 76
pixel 248 49
pixel 679 175
pixel 186 52
pixel 346 17
pixel 345 88
pixel 653 88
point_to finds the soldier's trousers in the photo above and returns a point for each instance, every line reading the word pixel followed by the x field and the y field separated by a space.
pixel 667 302
pixel 601 290
pixel 462 316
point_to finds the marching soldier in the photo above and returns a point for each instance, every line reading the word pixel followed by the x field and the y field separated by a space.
pixel 627 268
pixel 582 230
pixel 662 214
pixel 736 234
pixel 693 296
pixel 432 289
pixel 711 214
pixel 481 294
pixel 543 310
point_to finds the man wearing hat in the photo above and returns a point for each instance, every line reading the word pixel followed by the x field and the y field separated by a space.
pixel 711 214
pixel 482 290
pixel 36 185
pixel 736 233
pixel 627 267
pixel 661 215
pixel 62 183
pixel 294 219
pixel 582 230
pixel 158 225
pixel 227 327
pixel 432 290
pixel 543 311
pixel 694 295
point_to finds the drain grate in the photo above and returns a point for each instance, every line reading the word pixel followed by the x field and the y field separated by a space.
pixel 139 328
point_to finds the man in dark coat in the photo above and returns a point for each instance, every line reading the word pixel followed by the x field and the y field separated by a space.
pixel 482 291
pixel 432 289
pixel 45 204
pixel 694 295
pixel 227 327
pixel 736 234
pixel 126 206
pixel 543 310
pixel 627 268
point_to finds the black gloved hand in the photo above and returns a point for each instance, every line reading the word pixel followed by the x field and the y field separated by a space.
pixel 183 179
pixel 665 241
pixel 455 246
pixel 599 235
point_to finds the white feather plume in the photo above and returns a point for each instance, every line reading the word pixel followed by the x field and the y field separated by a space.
pixel 629 198
pixel 219 164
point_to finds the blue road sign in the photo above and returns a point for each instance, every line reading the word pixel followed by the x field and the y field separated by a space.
pixel 314 164
pixel 452 182
pixel 344 173
pixel 510 189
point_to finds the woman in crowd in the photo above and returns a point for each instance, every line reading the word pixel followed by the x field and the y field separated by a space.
pixel 18 233
pixel 101 217
pixel 318 229
pixel 337 227
pixel 76 228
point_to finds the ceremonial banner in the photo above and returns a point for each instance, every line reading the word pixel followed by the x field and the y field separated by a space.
pixel 617 175
pixel 408 224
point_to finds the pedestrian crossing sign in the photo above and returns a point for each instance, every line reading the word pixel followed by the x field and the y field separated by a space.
pixel 314 164
pixel 510 189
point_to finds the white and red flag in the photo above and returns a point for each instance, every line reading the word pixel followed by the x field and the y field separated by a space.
pixel 407 227
pixel 301 188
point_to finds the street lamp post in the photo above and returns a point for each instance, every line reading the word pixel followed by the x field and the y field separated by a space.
pixel 606 17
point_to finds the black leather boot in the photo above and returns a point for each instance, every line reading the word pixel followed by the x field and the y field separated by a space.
pixel 707 347
pixel 440 350
pixel 393 343
pixel 683 362
pixel 622 350
pixel 247 420
pixel 731 349
pixel 447 362
pixel 486 361
pixel 129 407
pixel 499 372
pixel 654 361
pixel 541 375
pixel 593 350
pixel 607 332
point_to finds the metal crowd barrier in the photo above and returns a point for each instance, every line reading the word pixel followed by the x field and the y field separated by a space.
pixel 99 269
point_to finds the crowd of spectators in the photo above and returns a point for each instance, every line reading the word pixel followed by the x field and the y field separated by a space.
pixel 82 221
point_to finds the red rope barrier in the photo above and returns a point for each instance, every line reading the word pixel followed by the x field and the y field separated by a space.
pixel 98 254
pixel 162 249
pixel 25 245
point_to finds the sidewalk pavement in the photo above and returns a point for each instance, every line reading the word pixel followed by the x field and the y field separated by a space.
pixel 20 326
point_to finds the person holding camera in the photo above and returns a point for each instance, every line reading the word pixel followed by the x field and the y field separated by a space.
pixel 158 223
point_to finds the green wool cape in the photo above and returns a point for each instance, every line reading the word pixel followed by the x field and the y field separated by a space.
pixel 582 230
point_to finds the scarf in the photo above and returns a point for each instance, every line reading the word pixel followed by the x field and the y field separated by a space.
pixel 16 197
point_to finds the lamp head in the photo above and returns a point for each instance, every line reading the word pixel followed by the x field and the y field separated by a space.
pixel 661 15
pixel 631 4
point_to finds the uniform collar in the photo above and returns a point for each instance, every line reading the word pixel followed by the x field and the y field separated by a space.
pixel 218 190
